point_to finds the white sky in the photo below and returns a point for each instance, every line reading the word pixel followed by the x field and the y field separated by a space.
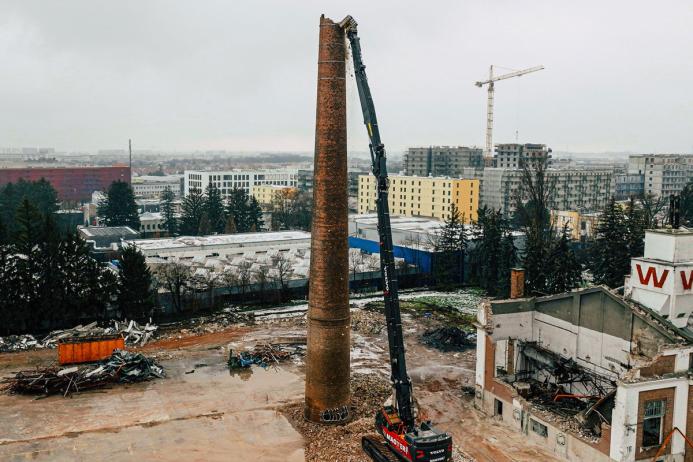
pixel 241 75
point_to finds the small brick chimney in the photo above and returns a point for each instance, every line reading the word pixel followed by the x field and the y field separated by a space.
pixel 517 283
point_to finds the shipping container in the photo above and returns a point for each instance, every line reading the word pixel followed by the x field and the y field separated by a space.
pixel 87 349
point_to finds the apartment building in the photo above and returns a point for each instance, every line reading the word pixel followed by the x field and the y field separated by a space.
pixel 227 181
pixel 664 174
pixel 574 189
pixel 629 185
pixel 267 194
pixel 151 186
pixel 423 196
pixel 514 155
pixel 442 160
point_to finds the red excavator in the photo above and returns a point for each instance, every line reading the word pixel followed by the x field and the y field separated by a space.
pixel 404 438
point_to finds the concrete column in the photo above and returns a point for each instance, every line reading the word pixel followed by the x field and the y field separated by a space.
pixel 327 362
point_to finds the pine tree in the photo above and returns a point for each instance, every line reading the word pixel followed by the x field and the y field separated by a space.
pixel 255 215
pixel 609 254
pixel 634 222
pixel 450 246
pixel 28 227
pixel 135 295
pixel 494 254
pixel 506 262
pixel 119 207
pixel 191 213
pixel 687 205
pixel 564 270
pixel 237 210
pixel 170 223
pixel 214 208
pixel 205 227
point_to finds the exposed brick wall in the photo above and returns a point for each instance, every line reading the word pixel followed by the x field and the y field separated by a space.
pixel 660 366
pixel 517 283
pixel 501 390
pixel 665 394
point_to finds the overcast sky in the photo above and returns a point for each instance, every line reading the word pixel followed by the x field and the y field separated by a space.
pixel 241 75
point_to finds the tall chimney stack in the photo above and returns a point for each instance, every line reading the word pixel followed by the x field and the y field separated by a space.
pixel 327 362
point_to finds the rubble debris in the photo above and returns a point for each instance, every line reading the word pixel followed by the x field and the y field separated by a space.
pixel 134 334
pixel 121 367
pixel 265 355
pixel 367 322
pixel 449 339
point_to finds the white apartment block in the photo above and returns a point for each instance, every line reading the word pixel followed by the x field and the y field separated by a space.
pixel 574 189
pixel 514 155
pixel 442 160
pixel 664 174
pixel 227 181
pixel 151 186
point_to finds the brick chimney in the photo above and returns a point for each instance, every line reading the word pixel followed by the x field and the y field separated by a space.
pixel 517 283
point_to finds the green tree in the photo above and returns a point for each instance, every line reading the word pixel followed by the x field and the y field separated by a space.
pixel 533 216
pixel 494 252
pixel 192 209
pixel 135 295
pixel 609 258
pixel 214 209
pixel 450 245
pixel 634 222
pixel 564 269
pixel 254 215
pixel 28 227
pixel 170 223
pixel 687 205
pixel 118 208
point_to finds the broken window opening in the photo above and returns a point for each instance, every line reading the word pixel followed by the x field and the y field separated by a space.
pixel 652 424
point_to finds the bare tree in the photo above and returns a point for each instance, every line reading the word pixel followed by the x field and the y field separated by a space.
pixel 245 276
pixel 355 261
pixel 261 277
pixel 651 207
pixel 176 278
pixel 284 269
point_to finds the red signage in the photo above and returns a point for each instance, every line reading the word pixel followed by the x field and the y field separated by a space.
pixel 687 282
pixel 651 274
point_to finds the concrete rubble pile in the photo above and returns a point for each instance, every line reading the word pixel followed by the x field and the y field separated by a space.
pixel 134 333
pixel 449 339
pixel 367 322
pixel 121 367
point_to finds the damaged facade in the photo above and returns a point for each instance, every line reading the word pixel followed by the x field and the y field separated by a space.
pixel 589 374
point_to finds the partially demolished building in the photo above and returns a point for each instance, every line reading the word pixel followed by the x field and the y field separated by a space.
pixel 591 374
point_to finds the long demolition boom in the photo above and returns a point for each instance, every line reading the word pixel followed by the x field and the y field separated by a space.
pixel 400 379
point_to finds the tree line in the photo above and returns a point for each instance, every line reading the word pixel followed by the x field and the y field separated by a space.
pixel 49 279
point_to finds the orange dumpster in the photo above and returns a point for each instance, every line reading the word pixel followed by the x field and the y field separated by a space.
pixel 86 349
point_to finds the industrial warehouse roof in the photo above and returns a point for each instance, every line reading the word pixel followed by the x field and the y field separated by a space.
pixel 219 240
pixel 104 236
pixel 399 222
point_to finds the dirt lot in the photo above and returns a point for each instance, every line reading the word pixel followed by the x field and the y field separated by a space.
pixel 211 414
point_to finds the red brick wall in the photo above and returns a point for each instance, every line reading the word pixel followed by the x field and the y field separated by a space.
pixel 660 366
pixel 665 394
pixel 71 183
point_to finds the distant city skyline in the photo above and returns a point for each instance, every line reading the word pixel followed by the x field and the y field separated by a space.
pixel 240 77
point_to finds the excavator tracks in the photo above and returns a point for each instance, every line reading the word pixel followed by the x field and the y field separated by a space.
pixel 377 450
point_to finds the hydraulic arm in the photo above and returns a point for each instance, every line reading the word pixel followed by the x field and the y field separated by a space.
pixel 397 423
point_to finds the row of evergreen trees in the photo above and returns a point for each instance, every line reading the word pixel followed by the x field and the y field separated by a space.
pixel 208 213
pixel 49 279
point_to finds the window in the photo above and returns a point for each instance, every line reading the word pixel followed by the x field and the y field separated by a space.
pixel 653 421
pixel 539 428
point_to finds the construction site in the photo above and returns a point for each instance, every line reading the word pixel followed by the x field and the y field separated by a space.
pixel 398 375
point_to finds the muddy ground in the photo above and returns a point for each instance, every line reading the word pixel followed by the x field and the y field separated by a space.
pixel 203 412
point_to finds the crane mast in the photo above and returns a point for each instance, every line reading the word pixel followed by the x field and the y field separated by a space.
pixel 400 378
pixel 488 152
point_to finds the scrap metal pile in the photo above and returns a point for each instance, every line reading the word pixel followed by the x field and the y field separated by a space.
pixel 134 334
pixel 449 339
pixel 121 367
pixel 266 354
